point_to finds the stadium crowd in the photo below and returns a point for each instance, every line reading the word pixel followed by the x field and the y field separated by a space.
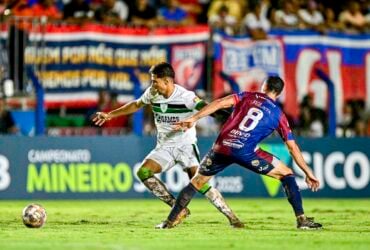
pixel 234 17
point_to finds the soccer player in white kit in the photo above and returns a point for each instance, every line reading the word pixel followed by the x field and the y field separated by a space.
pixel 170 103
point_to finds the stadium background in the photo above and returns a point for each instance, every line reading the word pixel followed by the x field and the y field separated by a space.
pixel 57 70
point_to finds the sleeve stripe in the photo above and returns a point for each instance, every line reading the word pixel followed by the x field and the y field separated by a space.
pixel 199 105
pixel 236 98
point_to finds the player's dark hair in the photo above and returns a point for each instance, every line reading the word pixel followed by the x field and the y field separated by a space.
pixel 162 69
pixel 274 84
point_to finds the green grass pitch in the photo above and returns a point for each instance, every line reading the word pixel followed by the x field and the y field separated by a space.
pixel 129 224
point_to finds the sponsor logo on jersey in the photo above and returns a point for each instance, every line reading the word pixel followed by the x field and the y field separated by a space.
pixel 166 119
pixel 263 168
pixel 237 133
pixel 233 143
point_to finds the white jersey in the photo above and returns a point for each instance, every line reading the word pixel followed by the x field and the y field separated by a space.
pixel 180 105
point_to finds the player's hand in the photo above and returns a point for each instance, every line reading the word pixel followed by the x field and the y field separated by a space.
pixel 100 118
pixel 312 182
pixel 184 125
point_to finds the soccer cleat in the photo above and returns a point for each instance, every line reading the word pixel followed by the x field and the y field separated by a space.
pixel 164 225
pixel 168 224
pixel 237 224
pixel 307 223
pixel 181 217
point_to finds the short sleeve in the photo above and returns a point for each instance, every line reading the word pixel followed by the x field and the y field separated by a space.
pixel 239 96
pixel 147 96
pixel 284 129
pixel 191 100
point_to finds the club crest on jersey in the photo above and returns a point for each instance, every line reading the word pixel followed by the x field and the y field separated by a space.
pixel 164 107
pixel 255 163
pixel 208 162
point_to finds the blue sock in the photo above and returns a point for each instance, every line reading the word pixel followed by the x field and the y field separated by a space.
pixel 182 201
pixel 293 193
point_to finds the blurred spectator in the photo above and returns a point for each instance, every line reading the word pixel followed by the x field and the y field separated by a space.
pixel 336 5
pixel 149 126
pixel 287 16
pixel 347 124
pixel 106 102
pixel 354 119
pixel 312 120
pixel 112 12
pixel 360 128
pixel 173 14
pixel 268 8
pixel 3 7
pixel 141 13
pixel 360 116
pixel 352 18
pixel 46 8
pixel 366 11
pixel 202 17
pixel 311 16
pixel 18 36
pixel 316 127
pixel 20 8
pixel 194 9
pixel 331 23
pixel 7 124
pixel 103 104
pixel 43 8
pixel 257 23
pixel 121 122
pixel 234 8
pixel 223 21
pixel 77 11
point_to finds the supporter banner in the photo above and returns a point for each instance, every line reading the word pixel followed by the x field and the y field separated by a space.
pixel 296 57
pixel 246 61
pixel 105 167
pixel 76 60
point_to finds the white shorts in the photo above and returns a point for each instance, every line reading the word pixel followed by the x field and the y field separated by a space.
pixel 186 156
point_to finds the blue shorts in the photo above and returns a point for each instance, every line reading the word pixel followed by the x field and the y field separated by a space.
pixel 260 162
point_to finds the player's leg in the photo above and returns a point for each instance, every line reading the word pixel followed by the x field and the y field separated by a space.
pixel 182 201
pixel 153 164
pixel 287 178
pixel 215 197
pixel 267 164
pixel 189 156
pixel 212 164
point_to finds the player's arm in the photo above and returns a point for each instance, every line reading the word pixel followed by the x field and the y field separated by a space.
pixel 296 153
pixel 221 115
pixel 128 108
pixel 286 134
pixel 211 108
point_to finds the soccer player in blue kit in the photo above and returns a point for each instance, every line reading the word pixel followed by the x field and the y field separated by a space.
pixel 256 115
